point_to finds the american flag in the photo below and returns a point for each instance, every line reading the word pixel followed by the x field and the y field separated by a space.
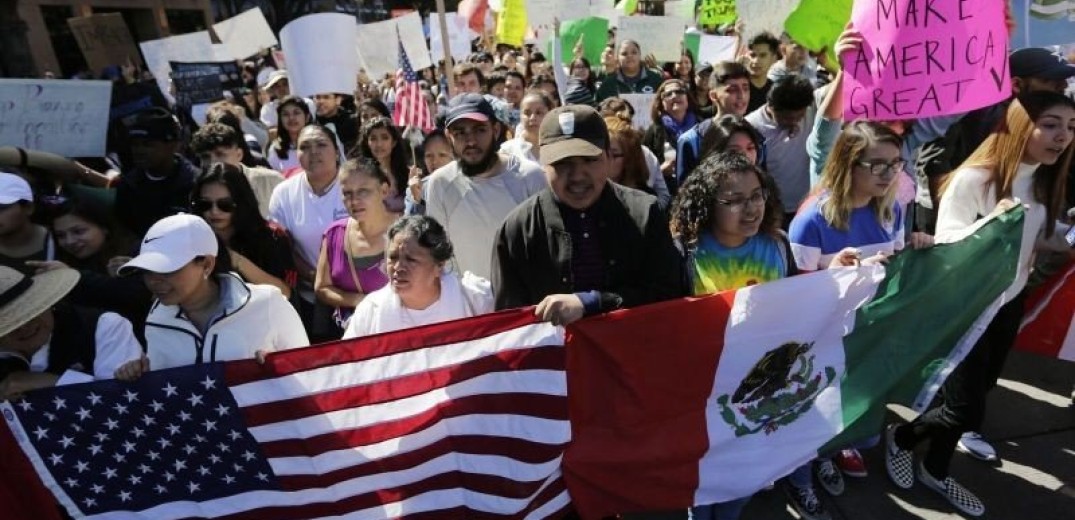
pixel 411 108
pixel 459 420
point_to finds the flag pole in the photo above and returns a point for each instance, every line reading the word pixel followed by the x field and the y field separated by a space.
pixel 448 63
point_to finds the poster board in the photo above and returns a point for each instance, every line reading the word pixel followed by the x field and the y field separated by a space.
pixel 245 34
pixel 312 47
pixel 65 117
pixel 104 40
pixel 204 82
pixel 661 36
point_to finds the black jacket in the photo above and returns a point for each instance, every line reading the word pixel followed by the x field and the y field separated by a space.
pixel 532 252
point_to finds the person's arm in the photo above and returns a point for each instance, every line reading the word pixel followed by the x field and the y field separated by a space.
pixel 656 179
pixel 360 323
pixel 290 332
pixel 961 205
pixel 116 345
pixel 558 62
pixel 663 279
pixel 327 293
pixel 254 274
pixel 509 285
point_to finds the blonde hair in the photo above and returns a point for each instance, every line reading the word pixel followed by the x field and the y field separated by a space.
pixel 836 179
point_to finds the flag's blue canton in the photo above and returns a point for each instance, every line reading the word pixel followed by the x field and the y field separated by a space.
pixel 174 435
pixel 405 64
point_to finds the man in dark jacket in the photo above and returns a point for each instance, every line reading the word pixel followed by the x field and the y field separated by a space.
pixel 585 245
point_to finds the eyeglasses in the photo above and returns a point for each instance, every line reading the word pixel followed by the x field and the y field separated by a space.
pixel 669 94
pixel 203 205
pixel 757 198
pixel 883 169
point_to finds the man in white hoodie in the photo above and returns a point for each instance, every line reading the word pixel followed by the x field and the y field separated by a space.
pixel 471 196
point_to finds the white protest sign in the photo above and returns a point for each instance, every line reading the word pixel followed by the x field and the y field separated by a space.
pixel 190 47
pixel 459 37
pixel 221 52
pixel 681 8
pixel 65 117
pixel 544 12
pixel 378 44
pixel 657 35
pixel 312 48
pixel 245 34
pixel 715 49
pixel 642 103
pixel 764 15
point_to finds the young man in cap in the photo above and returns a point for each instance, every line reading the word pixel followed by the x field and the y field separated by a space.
pixel 278 87
pixel 20 239
pixel 471 196
pixel 584 245
pixel 159 181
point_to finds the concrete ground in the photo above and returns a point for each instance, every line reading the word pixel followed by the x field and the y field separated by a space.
pixel 1031 423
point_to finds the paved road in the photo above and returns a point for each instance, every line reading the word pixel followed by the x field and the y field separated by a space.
pixel 1032 424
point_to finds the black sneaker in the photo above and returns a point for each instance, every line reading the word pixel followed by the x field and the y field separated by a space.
pixel 956 494
pixel 898 462
pixel 806 503
pixel 829 476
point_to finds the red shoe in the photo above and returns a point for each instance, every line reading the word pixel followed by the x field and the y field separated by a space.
pixel 850 463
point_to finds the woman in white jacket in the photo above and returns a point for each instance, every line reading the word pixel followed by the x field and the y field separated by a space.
pixel 202 313
pixel 1024 161
pixel 421 291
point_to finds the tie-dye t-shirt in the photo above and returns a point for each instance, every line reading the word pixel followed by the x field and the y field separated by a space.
pixel 717 268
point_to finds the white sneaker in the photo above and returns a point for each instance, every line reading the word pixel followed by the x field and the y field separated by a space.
pixel 974 445
pixel 956 494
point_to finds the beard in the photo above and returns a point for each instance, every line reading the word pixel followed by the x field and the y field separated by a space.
pixel 487 161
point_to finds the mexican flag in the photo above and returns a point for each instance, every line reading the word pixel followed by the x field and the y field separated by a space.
pixel 704 400
pixel 1049 325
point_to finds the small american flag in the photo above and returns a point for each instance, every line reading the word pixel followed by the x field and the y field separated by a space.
pixel 411 108
pixel 458 420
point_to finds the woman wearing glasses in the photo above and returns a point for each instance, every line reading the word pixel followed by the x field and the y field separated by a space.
pixel 259 251
pixel 673 113
pixel 728 226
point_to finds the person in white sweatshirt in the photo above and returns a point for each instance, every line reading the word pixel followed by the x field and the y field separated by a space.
pixel 1025 161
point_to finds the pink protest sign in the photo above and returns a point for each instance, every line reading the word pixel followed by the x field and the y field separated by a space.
pixel 925 58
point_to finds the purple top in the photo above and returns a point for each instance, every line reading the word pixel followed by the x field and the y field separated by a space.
pixel 372 278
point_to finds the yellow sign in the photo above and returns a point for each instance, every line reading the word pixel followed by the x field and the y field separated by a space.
pixel 511 23
pixel 716 12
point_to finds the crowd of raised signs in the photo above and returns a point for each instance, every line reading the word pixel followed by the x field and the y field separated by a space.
pixel 273 221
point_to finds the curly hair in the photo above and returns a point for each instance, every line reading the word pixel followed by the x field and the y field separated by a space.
pixel 693 209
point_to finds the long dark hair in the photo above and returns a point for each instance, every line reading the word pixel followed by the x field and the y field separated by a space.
pixel 375 104
pixel 715 139
pixel 252 232
pixel 591 80
pixel 117 241
pixel 283 139
pixel 398 161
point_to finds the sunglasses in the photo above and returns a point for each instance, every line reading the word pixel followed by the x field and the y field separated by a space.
pixel 671 93
pixel 203 205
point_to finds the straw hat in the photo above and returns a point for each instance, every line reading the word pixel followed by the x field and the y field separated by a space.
pixel 23 298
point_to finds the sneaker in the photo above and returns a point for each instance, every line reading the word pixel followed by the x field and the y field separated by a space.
pixel 898 461
pixel 850 462
pixel 956 494
pixel 829 477
pixel 974 445
pixel 806 503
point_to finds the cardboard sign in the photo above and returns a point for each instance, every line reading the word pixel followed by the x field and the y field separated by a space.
pixel 657 35
pixel 188 47
pixel 594 35
pixel 245 34
pixel 312 46
pixel 717 12
pixel 104 40
pixel 921 58
pixel 642 103
pixel 65 117
pixel 204 82
pixel 409 28
pixel 459 37
pixel 764 16
pixel 377 47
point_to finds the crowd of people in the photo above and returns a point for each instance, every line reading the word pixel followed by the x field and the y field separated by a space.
pixel 277 221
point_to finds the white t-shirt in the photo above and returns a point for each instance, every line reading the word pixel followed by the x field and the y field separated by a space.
pixel 304 214
pixel 382 311
pixel 116 345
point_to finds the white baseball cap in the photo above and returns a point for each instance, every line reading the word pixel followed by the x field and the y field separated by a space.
pixel 14 188
pixel 172 243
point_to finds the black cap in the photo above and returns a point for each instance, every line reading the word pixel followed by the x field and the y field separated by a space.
pixel 469 106
pixel 1035 62
pixel 577 93
pixel 155 124
pixel 572 131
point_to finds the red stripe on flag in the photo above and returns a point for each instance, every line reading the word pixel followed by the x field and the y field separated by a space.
pixel 369 347
pixel 1049 313
pixel 541 406
pixel 613 379
pixel 21 491
pixel 547 358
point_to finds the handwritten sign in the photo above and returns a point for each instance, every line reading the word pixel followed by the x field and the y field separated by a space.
pixel 717 12
pixel 643 104
pixel 245 34
pixel 204 82
pixel 104 40
pixel 459 36
pixel 922 58
pixel 188 47
pixel 657 35
pixel 312 48
pixel 65 117
pixel 816 24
